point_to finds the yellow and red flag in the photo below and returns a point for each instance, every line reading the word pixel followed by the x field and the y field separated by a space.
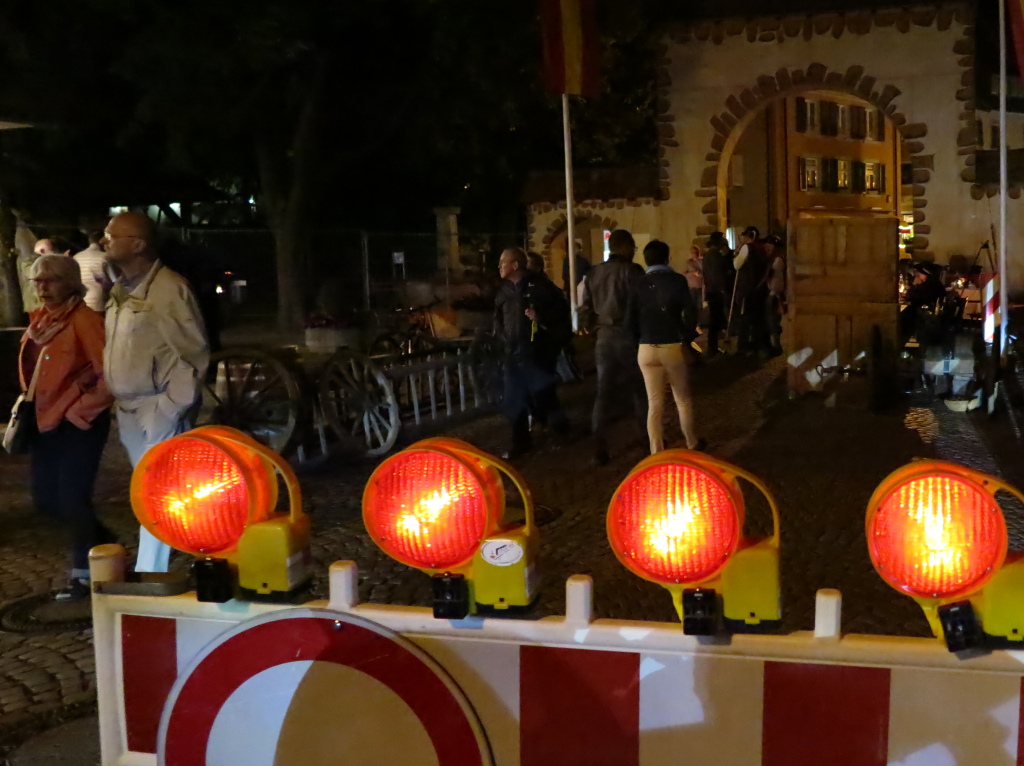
pixel 571 46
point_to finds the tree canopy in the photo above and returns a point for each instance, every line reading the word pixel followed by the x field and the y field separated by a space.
pixel 331 114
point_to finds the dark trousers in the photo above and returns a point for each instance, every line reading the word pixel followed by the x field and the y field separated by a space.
pixel 618 379
pixel 65 462
pixel 752 324
pixel 773 319
pixel 717 319
pixel 529 387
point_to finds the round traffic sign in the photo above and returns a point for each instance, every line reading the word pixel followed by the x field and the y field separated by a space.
pixel 315 687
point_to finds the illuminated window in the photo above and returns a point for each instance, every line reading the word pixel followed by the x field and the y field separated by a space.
pixel 874 177
pixel 809 174
pixel 843 175
pixel 607 249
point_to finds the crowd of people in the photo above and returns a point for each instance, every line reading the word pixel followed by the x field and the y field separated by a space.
pixel 645 321
pixel 111 329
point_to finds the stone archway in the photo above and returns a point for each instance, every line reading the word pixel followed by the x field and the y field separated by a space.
pixel 560 226
pixel 740 110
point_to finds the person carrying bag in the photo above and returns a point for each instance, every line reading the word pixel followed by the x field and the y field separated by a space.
pixel 22 428
pixel 69 402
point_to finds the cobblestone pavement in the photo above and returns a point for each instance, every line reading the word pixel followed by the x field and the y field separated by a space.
pixel 821 462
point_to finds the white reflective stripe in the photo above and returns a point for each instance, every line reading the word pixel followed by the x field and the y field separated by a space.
pixel 966 719
pixel 488 674
pixel 708 708
pixel 247 733
pixel 192 635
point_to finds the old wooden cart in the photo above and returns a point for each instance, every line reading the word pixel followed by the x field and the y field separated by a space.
pixel 306 405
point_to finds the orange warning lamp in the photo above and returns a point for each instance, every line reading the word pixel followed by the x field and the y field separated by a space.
pixel 677 520
pixel 439 506
pixel 212 492
pixel 936 533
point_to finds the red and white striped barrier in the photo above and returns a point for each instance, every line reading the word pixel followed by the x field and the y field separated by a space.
pixel 991 306
pixel 183 683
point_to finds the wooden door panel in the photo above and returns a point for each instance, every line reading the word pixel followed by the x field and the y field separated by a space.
pixel 842 282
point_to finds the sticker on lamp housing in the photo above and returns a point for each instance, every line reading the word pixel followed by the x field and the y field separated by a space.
pixel 502 553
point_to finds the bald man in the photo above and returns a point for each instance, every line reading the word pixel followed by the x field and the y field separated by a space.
pixel 156 354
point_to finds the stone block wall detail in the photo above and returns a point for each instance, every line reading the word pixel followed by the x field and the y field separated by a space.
pixel 596 212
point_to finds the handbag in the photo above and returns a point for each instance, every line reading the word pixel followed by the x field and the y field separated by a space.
pixel 21 428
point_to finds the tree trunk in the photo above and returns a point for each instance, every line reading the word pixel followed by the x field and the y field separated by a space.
pixel 11 308
pixel 287 184
pixel 290 299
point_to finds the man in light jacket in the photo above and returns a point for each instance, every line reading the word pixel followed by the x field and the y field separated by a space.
pixel 156 353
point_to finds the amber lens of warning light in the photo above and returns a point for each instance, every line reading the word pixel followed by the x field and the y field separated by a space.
pixel 430 509
pixel 674 523
pixel 198 496
pixel 937 536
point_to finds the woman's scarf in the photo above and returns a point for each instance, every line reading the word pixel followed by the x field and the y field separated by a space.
pixel 47 322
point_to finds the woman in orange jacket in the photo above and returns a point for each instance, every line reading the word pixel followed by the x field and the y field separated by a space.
pixel 62 350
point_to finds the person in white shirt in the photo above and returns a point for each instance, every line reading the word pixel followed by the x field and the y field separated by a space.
pixel 93 264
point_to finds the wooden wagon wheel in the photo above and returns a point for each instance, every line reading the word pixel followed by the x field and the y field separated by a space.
pixel 359 402
pixel 256 393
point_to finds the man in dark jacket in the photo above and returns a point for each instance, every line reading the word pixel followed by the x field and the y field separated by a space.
pixel 751 293
pixel 718 277
pixel 604 307
pixel 531 320
pixel 922 295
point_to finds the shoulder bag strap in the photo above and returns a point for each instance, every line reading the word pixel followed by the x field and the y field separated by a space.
pixel 30 395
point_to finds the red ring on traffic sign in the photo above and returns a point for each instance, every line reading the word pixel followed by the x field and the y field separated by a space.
pixel 317 635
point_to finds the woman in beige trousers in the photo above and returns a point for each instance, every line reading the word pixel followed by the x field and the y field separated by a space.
pixel 664 319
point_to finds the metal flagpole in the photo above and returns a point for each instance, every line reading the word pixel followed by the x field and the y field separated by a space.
pixel 1003 182
pixel 570 218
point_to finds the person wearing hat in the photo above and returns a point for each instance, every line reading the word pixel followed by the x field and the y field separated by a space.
pixel 750 293
pixel 776 303
pixel 925 291
pixel 718 276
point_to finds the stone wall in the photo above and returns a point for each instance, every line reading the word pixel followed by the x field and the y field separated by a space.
pixel 915 64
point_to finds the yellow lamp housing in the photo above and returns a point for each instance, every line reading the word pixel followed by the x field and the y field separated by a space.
pixel 212 492
pixel 936 533
pixel 677 520
pixel 439 506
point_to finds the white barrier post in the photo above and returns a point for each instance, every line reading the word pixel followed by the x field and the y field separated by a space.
pixel 991 307
pixel 579 600
pixel 106 564
pixel 343 581
pixel 828 614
